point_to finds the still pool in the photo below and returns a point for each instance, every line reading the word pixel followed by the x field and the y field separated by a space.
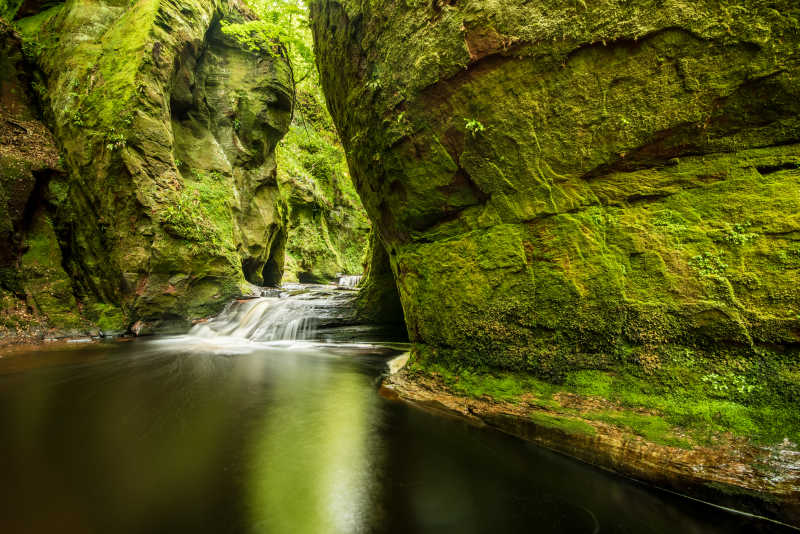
pixel 191 434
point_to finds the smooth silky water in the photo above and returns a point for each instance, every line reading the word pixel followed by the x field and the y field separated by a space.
pixel 235 428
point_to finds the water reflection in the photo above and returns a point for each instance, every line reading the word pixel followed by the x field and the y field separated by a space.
pixel 178 435
pixel 313 457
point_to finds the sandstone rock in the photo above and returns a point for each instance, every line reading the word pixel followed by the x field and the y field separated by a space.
pixel 594 193
pixel 169 201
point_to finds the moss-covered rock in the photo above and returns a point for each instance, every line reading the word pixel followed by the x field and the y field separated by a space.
pixel 567 186
pixel 27 148
pixel 168 129
pixel 378 301
pixel 36 295
pixel 570 183
pixel 48 288
pixel 328 227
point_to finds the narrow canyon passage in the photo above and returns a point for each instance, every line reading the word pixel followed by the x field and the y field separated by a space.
pixel 412 266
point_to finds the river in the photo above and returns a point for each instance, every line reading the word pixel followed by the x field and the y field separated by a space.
pixel 237 428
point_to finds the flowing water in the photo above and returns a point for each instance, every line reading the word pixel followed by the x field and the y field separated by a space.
pixel 291 314
pixel 350 281
pixel 237 428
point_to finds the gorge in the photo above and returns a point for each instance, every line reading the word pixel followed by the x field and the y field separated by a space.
pixel 585 215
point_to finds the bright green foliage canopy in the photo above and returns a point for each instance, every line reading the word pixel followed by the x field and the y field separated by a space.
pixel 280 24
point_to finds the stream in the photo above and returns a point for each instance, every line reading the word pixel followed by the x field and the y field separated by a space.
pixel 268 419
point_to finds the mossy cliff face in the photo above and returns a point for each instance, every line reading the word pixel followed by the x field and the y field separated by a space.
pixel 167 128
pixel 378 300
pixel 574 186
pixel 32 281
pixel 327 225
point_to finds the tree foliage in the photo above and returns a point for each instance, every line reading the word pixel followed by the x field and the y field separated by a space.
pixel 279 23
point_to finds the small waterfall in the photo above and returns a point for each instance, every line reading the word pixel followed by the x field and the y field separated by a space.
pixel 293 315
pixel 350 281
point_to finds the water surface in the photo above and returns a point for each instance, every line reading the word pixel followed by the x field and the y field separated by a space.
pixel 191 434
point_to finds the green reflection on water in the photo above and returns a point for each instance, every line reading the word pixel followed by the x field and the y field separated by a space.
pixel 314 457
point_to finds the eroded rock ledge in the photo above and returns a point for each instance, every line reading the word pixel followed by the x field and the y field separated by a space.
pixel 760 480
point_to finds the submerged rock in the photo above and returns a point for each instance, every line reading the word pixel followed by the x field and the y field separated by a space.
pixel 568 187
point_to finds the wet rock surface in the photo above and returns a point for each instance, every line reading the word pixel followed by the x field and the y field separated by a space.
pixel 598 194
pixel 166 201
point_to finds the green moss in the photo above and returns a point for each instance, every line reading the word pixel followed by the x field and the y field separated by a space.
pixel 677 409
pixel 651 427
pixel 328 227
pixel 8 8
pixel 125 48
pixel 48 288
pixel 139 232
pixel 565 424
pixel 107 317
pixel 500 386
pixel 30 27
pixel 631 196
pixel 201 213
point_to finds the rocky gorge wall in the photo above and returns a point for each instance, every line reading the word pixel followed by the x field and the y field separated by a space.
pixel 378 300
pixel 327 226
pixel 599 195
pixel 164 203
pixel 34 280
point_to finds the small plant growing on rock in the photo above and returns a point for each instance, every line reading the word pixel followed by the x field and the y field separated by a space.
pixel 729 385
pixel 738 235
pixel 40 89
pixel 708 264
pixel 32 48
pixel 115 140
pixel 670 221
pixel 75 117
pixel 474 127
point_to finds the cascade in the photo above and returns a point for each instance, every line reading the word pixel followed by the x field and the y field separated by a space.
pixel 350 281
pixel 293 313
